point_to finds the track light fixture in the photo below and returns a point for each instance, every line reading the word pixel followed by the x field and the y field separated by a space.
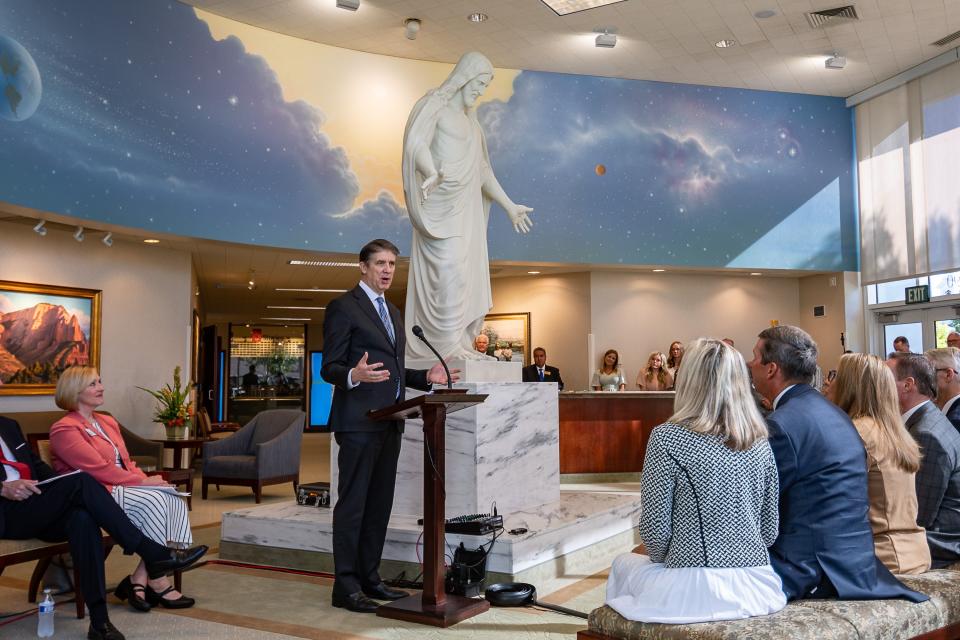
pixel 39 229
pixel 251 283
pixel 108 239
pixel 78 234
pixel 413 28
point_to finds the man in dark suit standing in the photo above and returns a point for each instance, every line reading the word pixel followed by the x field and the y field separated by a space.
pixel 946 366
pixel 938 480
pixel 363 343
pixel 825 546
pixel 74 508
pixel 540 372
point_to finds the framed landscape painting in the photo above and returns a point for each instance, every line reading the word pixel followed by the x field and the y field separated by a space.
pixel 43 330
pixel 509 335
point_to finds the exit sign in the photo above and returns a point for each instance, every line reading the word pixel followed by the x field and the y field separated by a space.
pixel 918 294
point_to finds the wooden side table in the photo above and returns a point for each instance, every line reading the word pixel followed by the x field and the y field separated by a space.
pixel 177 445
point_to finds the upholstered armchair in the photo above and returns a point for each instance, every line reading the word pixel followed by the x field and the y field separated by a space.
pixel 265 451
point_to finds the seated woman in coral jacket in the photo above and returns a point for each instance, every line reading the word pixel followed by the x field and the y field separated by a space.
pixel 92 442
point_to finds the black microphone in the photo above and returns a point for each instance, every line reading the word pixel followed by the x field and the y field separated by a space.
pixel 417 331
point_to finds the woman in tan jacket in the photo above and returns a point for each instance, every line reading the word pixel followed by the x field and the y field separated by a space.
pixel 865 388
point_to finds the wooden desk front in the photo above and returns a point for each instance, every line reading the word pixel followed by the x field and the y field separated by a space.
pixel 607 432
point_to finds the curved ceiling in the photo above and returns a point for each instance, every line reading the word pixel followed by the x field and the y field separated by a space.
pixel 665 40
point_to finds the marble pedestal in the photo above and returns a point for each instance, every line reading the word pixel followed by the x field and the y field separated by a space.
pixel 506 450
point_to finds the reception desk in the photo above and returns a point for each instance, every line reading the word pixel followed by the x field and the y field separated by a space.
pixel 607 432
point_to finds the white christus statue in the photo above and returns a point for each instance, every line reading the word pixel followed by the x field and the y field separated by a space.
pixel 448 185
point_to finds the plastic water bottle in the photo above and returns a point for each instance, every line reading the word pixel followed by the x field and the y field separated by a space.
pixel 45 622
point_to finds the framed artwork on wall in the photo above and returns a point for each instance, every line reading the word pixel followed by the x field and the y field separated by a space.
pixel 45 329
pixel 195 348
pixel 509 335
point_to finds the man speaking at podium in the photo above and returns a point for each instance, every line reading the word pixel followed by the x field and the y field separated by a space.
pixel 363 347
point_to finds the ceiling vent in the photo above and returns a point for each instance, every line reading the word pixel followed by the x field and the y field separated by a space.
pixel 829 17
pixel 945 40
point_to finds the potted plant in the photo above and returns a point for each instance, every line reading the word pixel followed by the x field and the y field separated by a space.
pixel 174 409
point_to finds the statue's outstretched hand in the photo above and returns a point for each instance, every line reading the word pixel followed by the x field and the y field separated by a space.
pixel 430 184
pixel 518 216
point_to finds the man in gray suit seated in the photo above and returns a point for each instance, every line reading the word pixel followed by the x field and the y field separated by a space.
pixel 938 480
pixel 946 366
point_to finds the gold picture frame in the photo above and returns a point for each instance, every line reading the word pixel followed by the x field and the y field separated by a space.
pixel 37 343
pixel 509 335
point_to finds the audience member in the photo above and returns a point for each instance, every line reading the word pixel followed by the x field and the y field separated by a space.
pixel 901 344
pixel 953 340
pixel 675 353
pixel 946 365
pixel 609 377
pixel 825 546
pixel 540 371
pixel 866 390
pixel 938 480
pixel 74 509
pixel 654 376
pixel 91 442
pixel 481 343
pixel 711 457
pixel 250 379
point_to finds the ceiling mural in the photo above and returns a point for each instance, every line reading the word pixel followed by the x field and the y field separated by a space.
pixel 159 116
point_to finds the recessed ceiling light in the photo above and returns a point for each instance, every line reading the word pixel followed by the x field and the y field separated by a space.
pixel 764 14
pixel 151 241
pixel 321 263
pixel 725 44
pixel 534 273
pixel 297 308
pixel 659 270
pixel 477 17
pixel 313 290
pixel 566 7
pixel 755 273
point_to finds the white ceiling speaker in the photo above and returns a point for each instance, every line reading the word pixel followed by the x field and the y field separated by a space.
pixel 835 62
pixel 349 5
pixel 412 28
pixel 40 229
pixel 78 234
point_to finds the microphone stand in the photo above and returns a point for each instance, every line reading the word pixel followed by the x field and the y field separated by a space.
pixel 417 331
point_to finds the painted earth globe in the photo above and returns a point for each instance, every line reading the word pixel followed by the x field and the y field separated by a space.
pixel 20 87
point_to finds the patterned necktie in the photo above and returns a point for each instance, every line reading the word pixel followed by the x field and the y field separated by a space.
pixel 385 318
pixel 22 468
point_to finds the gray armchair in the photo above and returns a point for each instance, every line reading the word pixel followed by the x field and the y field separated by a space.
pixel 265 451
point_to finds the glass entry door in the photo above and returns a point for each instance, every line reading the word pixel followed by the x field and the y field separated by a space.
pixel 923 328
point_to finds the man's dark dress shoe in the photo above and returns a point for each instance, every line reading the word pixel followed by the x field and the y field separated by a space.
pixel 106 632
pixel 383 592
pixel 355 602
pixel 133 593
pixel 177 560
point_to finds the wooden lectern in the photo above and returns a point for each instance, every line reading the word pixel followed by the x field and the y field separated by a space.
pixel 435 607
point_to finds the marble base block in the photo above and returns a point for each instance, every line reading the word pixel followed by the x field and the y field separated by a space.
pixel 477 370
pixel 505 450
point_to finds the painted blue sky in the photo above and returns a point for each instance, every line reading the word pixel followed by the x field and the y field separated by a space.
pixel 147 121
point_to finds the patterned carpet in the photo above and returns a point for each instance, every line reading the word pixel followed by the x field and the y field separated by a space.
pixel 238 602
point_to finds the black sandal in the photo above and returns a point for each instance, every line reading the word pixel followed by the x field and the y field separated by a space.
pixel 127 590
pixel 154 598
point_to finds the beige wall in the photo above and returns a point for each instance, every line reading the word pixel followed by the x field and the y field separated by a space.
pixel 830 291
pixel 146 306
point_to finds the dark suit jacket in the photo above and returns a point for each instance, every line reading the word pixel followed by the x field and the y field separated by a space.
pixel 954 415
pixel 351 327
pixel 824 525
pixel 938 482
pixel 13 437
pixel 550 374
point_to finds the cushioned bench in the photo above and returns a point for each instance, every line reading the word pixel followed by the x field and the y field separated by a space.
pixel 936 619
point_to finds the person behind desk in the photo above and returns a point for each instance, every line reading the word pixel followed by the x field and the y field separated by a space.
pixel 92 442
pixel 675 355
pixel 709 504
pixel 250 379
pixel 364 342
pixel 540 371
pixel 654 376
pixel 481 343
pixel 609 377
pixel 73 509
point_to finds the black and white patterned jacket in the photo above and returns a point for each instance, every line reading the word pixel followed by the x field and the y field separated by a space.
pixel 705 505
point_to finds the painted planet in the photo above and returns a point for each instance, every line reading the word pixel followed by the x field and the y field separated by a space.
pixel 20 87
pixel 600 169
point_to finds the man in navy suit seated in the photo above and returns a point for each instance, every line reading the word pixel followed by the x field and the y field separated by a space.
pixel 825 546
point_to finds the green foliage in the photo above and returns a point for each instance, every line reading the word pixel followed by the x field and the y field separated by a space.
pixel 174 408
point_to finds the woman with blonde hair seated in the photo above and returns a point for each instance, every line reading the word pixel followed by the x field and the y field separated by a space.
pixel 90 441
pixel 866 390
pixel 654 376
pixel 709 492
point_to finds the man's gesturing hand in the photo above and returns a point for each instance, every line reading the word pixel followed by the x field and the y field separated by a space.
pixel 372 372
